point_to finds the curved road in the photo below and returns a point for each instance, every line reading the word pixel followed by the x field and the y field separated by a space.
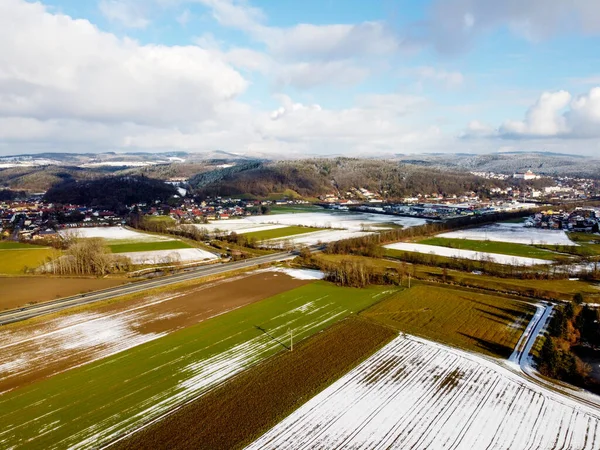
pixel 522 358
pixel 27 312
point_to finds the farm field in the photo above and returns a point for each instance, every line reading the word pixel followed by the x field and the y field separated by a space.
pixel 21 291
pixel 279 232
pixel 513 233
pixel 114 234
pixel 465 254
pixel 245 407
pixel 99 401
pixel 589 241
pixel 318 237
pixel 504 248
pixel 147 246
pixel 417 394
pixel 170 256
pixel 337 220
pixel 563 289
pixel 14 261
pixel 95 333
pixel 479 322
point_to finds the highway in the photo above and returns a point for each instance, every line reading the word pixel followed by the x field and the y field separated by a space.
pixel 28 312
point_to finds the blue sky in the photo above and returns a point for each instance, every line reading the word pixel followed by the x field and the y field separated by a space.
pixel 289 78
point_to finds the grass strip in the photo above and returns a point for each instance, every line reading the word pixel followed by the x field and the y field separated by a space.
pixel 245 407
pixel 148 246
pixel 502 248
pixel 280 232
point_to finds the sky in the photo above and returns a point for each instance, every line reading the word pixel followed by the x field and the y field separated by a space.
pixel 289 78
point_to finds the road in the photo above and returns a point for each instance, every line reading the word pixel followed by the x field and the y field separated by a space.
pixel 522 358
pixel 28 312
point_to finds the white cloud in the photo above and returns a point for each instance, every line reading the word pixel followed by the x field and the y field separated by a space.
pixel 184 18
pixel 446 78
pixel 127 13
pixel 453 25
pixel 55 67
pixel 544 118
pixel 554 115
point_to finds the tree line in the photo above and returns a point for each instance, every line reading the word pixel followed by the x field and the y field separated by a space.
pixel 574 328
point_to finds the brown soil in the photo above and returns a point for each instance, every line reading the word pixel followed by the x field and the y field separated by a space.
pixel 243 408
pixel 36 351
pixel 21 291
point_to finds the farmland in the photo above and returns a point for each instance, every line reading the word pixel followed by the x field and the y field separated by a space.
pixel 147 246
pixel 512 233
pixel 14 260
pixel 505 248
pixel 478 322
pixel 103 330
pixel 447 252
pixel 120 392
pixel 20 291
pixel 249 404
pixel 416 394
pixel 279 232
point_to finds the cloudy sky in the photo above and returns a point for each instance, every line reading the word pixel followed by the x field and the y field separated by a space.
pixel 295 78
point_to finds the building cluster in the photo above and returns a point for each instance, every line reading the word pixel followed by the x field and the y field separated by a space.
pixel 581 219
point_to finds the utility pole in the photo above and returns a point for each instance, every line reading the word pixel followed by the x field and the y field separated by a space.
pixel 409 280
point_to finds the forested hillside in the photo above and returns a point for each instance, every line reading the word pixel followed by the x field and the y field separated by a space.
pixel 111 193
pixel 314 177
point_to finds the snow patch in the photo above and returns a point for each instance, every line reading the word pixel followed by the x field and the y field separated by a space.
pixel 299 274
pixel 466 254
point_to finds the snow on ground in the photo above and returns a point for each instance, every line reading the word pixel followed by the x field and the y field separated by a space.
pixel 204 374
pixel 417 394
pixel 466 254
pixel 113 233
pixel 325 219
pixel 345 221
pixel 240 226
pixel 169 256
pixel 299 274
pixel 511 232
pixel 85 335
pixel 317 237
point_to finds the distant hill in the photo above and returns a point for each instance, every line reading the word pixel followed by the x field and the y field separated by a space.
pixel 314 177
pixel 112 193
pixel 542 163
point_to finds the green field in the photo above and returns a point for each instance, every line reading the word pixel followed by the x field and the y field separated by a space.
pixel 10 245
pixel 290 209
pixel 14 261
pixel 558 289
pixel 590 241
pixel 280 233
pixel 485 323
pixel 97 402
pixel 147 246
pixel 503 248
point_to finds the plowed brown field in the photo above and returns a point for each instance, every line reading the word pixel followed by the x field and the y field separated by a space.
pixel 34 351
pixel 20 291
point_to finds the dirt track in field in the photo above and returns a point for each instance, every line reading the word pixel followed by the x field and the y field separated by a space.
pixel 20 291
pixel 35 351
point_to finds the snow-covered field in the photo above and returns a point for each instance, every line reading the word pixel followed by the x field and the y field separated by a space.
pixel 82 337
pixel 240 226
pixel 169 256
pixel 466 254
pixel 318 237
pixel 345 221
pixel 417 394
pixel 298 274
pixel 325 219
pixel 511 232
pixel 113 233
